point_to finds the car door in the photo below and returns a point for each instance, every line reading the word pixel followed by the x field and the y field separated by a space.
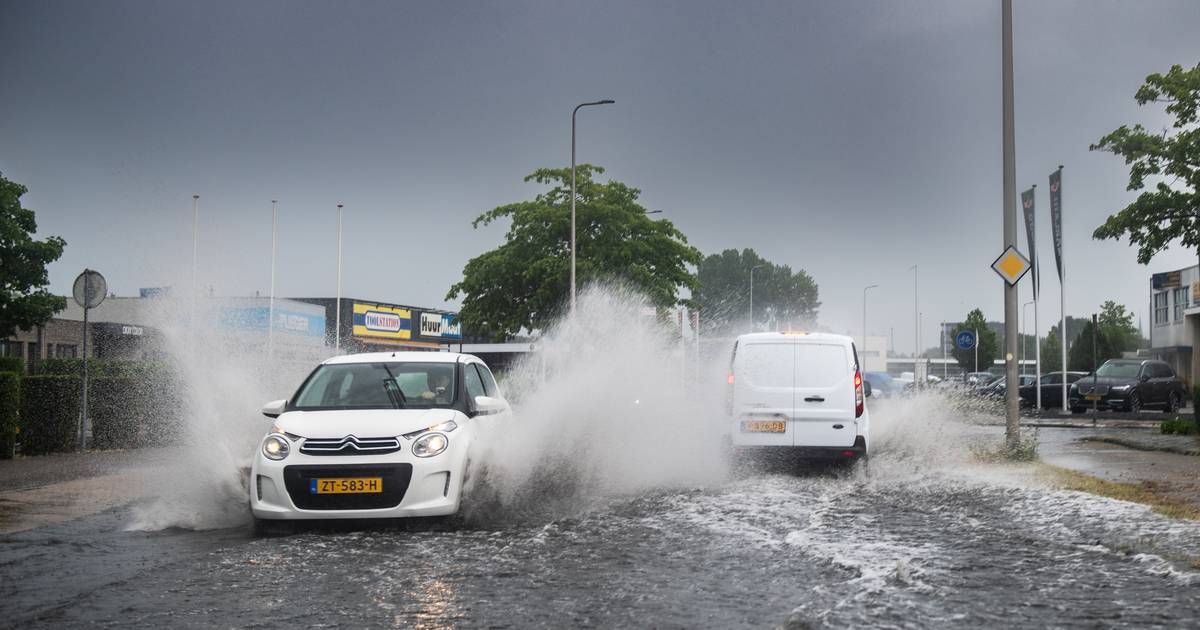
pixel 1148 384
pixel 1161 378
pixel 1052 390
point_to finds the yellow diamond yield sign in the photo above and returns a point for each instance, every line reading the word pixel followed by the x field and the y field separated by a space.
pixel 1011 265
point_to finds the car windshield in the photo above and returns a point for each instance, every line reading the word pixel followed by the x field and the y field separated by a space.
pixel 366 386
pixel 1119 370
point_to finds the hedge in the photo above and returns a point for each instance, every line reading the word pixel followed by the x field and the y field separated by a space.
pixel 49 414
pixel 10 405
pixel 100 368
pixel 12 364
pixel 131 413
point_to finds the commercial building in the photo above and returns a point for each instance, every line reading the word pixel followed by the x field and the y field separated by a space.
pixel 370 326
pixel 1175 319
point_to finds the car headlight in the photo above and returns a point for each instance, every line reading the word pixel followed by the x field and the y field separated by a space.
pixel 275 447
pixel 1119 388
pixel 430 444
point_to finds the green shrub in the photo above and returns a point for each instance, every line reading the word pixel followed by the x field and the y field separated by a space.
pixel 12 364
pixel 49 414
pixel 1178 426
pixel 10 406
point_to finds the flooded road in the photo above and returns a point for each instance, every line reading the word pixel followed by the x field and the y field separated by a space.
pixel 909 546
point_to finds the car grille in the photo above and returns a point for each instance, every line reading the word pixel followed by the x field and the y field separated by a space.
pixel 1087 389
pixel 350 445
pixel 298 481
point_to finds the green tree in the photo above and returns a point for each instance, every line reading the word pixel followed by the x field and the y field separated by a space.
pixel 1051 354
pixel 1080 357
pixel 525 282
pixel 1170 210
pixel 988 343
pixel 1117 325
pixel 780 294
pixel 24 300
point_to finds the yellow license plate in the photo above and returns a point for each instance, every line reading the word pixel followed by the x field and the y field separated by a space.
pixel 346 485
pixel 1092 397
pixel 764 426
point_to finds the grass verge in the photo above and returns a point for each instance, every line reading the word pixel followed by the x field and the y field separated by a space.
pixel 1156 495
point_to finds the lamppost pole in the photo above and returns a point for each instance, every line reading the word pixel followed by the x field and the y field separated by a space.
pixel 752 295
pixel 1024 328
pixel 271 294
pixel 195 243
pixel 864 327
pixel 573 113
pixel 337 327
pixel 916 323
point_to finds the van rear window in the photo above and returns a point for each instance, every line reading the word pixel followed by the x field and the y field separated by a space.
pixel 767 364
pixel 821 365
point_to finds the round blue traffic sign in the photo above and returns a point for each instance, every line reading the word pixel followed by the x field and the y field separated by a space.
pixel 965 340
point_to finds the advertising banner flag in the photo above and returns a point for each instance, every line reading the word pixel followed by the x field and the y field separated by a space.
pixel 1030 233
pixel 1056 218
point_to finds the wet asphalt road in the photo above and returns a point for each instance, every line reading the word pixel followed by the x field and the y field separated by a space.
pixel 909 545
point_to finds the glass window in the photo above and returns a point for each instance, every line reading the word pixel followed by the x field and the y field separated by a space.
pixel 1162 370
pixel 1052 379
pixel 1160 308
pixel 1120 369
pixel 489 382
pixel 820 365
pixel 768 364
pixel 1071 378
pixel 474 383
pixel 64 351
pixel 1182 299
pixel 366 385
pixel 10 348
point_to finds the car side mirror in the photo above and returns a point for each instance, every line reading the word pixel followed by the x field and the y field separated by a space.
pixel 867 389
pixel 274 408
pixel 488 406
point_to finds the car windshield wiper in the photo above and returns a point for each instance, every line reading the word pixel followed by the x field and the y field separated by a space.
pixel 393 390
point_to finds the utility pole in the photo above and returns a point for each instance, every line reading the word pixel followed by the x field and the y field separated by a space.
pixel 1012 420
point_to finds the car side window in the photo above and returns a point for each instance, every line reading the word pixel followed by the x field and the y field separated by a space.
pixel 489 381
pixel 1071 378
pixel 1148 371
pixel 1164 371
pixel 474 383
pixel 1053 379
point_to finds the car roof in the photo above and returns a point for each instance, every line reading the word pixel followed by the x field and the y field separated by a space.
pixel 400 357
pixel 794 336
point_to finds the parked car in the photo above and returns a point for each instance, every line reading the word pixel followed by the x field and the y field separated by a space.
pixel 979 379
pixel 883 385
pixel 1051 386
pixel 380 435
pixel 1131 385
pixel 799 393
pixel 997 388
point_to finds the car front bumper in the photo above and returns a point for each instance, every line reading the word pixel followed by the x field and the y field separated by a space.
pixel 412 486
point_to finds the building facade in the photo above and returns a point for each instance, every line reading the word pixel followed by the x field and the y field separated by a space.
pixel 1175 319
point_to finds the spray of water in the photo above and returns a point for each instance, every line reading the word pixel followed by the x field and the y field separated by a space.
pixel 609 405
pixel 222 376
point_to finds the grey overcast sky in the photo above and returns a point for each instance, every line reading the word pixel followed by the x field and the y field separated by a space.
pixel 850 139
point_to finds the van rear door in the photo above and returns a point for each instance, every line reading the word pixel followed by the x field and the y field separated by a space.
pixel 824 392
pixel 763 393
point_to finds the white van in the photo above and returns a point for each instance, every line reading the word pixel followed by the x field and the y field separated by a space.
pixel 799 392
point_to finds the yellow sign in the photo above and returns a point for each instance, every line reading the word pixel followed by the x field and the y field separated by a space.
pixel 1011 265
pixel 372 320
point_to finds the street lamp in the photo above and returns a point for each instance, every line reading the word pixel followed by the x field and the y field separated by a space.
pixel 337 327
pixel 752 295
pixel 864 328
pixel 576 111
pixel 1025 319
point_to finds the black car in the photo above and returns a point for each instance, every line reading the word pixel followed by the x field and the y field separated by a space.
pixel 996 388
pixel 1051 385
pixel 1131 385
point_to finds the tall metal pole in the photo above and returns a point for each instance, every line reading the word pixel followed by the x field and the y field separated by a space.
pixel 271 295
pixel 573 113
pixel 1037 358
pixel 83 410
pixel 1024 327
pixel 864 328
pixel 945 369
pixel 1012 418
pixel 916 322
pixel 337 309
pixel 195 242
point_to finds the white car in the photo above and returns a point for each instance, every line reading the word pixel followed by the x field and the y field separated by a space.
pixel 379 435
pixel 801 393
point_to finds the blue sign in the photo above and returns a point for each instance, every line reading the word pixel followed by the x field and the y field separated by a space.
pixel 965 340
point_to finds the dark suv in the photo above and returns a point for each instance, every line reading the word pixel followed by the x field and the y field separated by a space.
pixel 1131 385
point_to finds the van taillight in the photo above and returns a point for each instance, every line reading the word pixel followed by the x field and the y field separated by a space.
pixel 858 395
pixel 730 381
pixel 729 395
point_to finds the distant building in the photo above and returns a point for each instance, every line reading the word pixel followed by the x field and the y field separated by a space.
pixel 1175 319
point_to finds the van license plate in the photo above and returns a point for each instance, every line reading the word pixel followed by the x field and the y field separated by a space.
pixel 764 426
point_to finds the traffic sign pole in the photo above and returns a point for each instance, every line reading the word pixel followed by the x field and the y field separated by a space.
pixel 89 291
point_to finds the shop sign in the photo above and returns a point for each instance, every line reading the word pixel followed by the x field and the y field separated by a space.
pixel 373 320
pixel 441 325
